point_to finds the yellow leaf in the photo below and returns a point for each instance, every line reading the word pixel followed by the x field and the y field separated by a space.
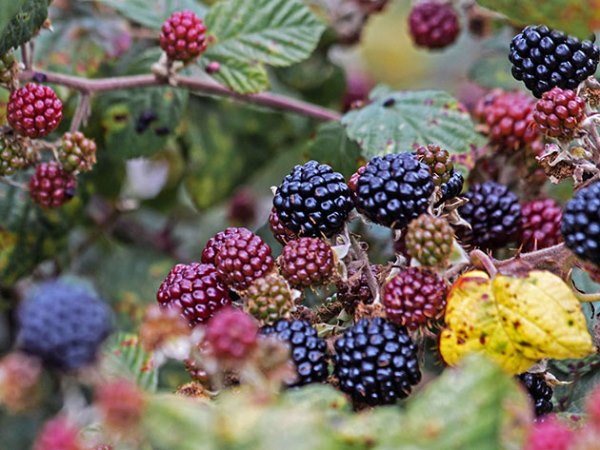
pixel 515 321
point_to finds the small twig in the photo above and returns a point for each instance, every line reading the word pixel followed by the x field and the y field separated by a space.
pixel 477 256
pixel 13 183
pixel 82 112
pixel 361 255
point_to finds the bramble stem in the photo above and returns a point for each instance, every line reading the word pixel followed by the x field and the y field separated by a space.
pixel 361 255
pixel 91 86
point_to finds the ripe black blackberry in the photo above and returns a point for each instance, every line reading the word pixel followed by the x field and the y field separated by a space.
pixel 394 189
pixel 543 58
pixel 376 362
pixel 540 392
pixel 580 225
pixel 453 187
pixel 313 200
pixel 63 325
pixel 494 214
pixel 307 349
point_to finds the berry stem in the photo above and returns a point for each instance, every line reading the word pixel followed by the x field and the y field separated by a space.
pixel 361 255
pixel 13 183
pixel 82 112
pixel 268 99
pixel 557 259
pixel 485 260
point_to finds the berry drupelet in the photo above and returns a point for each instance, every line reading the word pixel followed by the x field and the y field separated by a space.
pixel 279 230
pixel 543 58
pixel 580 224
pixel 63 325
pixel 34 110
pixel 394 189
pixel 269 299
pixel 214 244
pixel 313 200
pixel 541 224
pixel 433 24
pixel 376 362
pixel 308 351
pixel 231 336
pixel 51 186
pixel 77 153
pixel 494 214
pixel 183 36
pixel 559 113
pixel 429 240
pixel 414 297
pixel 438 159
pixel 195 290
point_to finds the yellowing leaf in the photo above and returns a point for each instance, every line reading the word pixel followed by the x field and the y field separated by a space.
pixel 515 321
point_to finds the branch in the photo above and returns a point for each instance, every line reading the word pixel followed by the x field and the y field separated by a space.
pixel 91 86
pixel 557 259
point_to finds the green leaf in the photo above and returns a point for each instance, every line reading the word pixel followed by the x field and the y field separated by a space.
pixel 397 121
pixel 138 11
pixel 125 357
pixel 332 146
pixel 493 69
pixel 19 21
pixel 127 134
pixel 241 76
pixel 571 16
pixel 255 32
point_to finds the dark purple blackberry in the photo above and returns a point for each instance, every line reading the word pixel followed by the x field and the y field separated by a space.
pixel 580 225
pixel 453 187
pixel 543 58
pixel 313 200
pixel 308 350
pixel 494 214
pixel 394 189
pixel 63 325
pixel 376 362
pixel 539 391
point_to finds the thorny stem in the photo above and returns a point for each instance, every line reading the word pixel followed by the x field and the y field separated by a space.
pixel 92 86
pixel 361 255
pixel 477 256
pixel 555 259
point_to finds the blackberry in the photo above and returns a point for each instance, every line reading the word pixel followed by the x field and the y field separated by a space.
pixel 307 262
pixel 494 214
pixel 183 36
pixel 269 299
pixel 50 186
pixel 242 258
pixel 453 187
pixel 77 153
pixel 34 110
pixel 541 224
pixel 580 224
pixel 394 189
pixel 559 113
pixel 439 162
pixel 13 155
pixel 214 244
pixel 429 240
pixel 376 362
pixel 308 351
pixel 195 290
pixel 539 391
pixel 279 230
pixel 509 117
pixel 63 325
pixel 544 58
pixel 231 336
pixel 433 24
pixel 313 200
pixel 8 68
pixel 414 297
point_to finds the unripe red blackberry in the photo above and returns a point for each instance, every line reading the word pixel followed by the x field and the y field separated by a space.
pixel 58 434
pixel 34 110
pixel 416 296
pixel 231 336
pixel 183 36
pixel 50 186
pixel 541 224
pixel 269 299
pixel 195 290
pixel 550 433
pixel 439 162
pixel 509 117
pixel 433 24
pixel 429 240
pixel 559 113
pixel 214 244
pixel 307 262
pixel 121 404
pixel 279 230
pixel 77 153
pixel 13 155
pixel 242 258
